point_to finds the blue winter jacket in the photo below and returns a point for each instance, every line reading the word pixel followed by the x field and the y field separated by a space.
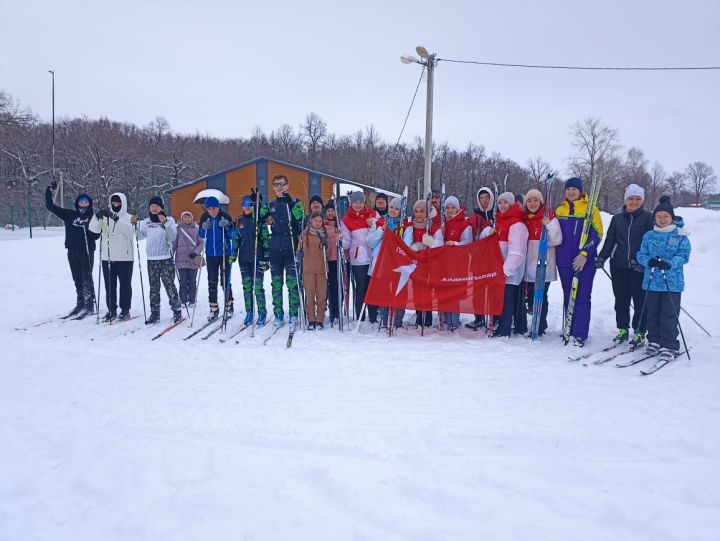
pixel 672 246
pixel 213 237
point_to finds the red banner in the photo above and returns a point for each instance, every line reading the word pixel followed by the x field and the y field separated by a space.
pixel 467 279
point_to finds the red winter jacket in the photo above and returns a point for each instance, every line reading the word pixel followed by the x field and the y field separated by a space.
pixel 455 227
pixel 505 220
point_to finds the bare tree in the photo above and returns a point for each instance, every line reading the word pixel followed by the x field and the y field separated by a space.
pixel 539 170
pixel 314 131
pixel 658 182
pixel 701 179
pixel 594 143
pixel 676 184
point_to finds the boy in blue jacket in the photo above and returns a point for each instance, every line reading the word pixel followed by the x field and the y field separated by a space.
pixel 216 229
pixel 663 252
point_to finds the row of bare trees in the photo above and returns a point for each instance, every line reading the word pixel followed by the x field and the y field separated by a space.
pixel 102 156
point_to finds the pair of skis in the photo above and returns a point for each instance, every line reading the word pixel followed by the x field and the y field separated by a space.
pixel 541 271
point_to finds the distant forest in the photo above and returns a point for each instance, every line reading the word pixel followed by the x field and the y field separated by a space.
pixel 100 156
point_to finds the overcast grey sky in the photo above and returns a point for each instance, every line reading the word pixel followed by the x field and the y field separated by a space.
pixel 224 67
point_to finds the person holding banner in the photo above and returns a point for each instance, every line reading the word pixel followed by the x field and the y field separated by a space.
pixel 512 237
pixel 457 231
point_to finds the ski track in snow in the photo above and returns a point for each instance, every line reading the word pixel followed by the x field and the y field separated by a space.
pixel 356 436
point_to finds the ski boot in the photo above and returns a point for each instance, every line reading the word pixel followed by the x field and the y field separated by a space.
pixel 319 326
pixel 177 316
pixel 75 311
pixel 261 320
pixel 652 348
pixel 578 342
pixel 229 310
pixel 622 336
pixel 311 326
pixel 248 319
pixel 125 315
pixel 292 322
pixel 638 340
pixel 110 315
pixel 214 311
pixel 278 321
pixel 154 318
pixel 667 354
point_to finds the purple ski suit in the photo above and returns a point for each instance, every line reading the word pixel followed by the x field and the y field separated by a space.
pixel 571 214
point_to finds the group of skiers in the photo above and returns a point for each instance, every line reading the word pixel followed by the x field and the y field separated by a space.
pixel 646 251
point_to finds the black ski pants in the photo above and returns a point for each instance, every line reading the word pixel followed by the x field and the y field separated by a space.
pixel 116 272
pixel 214 266
pixel 662 312
pixel 81 265
pixel 627 286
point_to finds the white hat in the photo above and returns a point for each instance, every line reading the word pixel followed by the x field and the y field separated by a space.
pixel 635 190
pixel 452 200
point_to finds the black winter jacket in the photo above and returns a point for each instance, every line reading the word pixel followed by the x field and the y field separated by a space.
pixel 625 235
pixel 76 224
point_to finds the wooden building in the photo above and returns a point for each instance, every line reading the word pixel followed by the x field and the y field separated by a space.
pixel 237 180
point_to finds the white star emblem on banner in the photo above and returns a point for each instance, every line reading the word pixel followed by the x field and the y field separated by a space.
pixel 405 272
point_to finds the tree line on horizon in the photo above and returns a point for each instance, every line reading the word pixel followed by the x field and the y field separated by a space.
pixel 101 156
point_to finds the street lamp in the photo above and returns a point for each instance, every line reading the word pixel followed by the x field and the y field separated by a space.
pixel 429 61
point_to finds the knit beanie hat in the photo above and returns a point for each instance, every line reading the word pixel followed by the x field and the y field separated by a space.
pixel 420 204
pixel 635 190
pixel 665 205
pixel 188 213
pixel 535 193
pixel 316 198
pixel 357 197
pixel 381 195
pixel 574 182
pixel 212 201
pixel 396 203
pixel 330 204
pixel 508 197
pixel 156 200
pixel 452 200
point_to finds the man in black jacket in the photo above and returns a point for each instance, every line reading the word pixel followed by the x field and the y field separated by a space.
pixel 622 243
pixel 80 244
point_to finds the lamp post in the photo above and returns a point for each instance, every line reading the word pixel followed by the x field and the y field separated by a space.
pixel 429 61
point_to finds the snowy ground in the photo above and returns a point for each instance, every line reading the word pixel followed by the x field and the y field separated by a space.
pixel 355 436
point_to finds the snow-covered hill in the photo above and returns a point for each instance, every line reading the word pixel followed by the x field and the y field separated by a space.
pixel 354 436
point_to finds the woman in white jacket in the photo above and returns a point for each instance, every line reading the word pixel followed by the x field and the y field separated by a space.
pixel 116 254
pixel 512 236
pixel 354 229
pixel 161 232
pixel 535 220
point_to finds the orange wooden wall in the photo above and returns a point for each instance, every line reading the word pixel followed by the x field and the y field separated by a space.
pixel 182 199
pixel 237 185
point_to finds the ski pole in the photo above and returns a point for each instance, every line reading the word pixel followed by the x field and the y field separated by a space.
pixel 97 297
pixel 224 282
pixel 297 276
pixel 142 287
pixel 677 312
pixel 197 285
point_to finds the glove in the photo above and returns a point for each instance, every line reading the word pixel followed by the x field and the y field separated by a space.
pixel 232 259
pixel 664 265
pixel 114 216
pixel 637 267
pixel 53 185
pixel 154 218
pixel 223 222
pixel 654 262
pixel 104 213
pixel 599 262
pixel 264 266
pixel 206 225
pixel 298 211
pixel 264 211
pixel 193 255
pixel 428 240
pixel 323 241
pixel 416 246
pixel 254 195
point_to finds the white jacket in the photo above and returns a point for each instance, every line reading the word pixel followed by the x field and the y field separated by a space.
pixel 554 238
pixel 115 235
pixel 160 237
pixel 514 252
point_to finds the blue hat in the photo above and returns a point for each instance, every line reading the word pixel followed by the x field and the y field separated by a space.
pixel 247 201
pixel 574 182
pixel 212 202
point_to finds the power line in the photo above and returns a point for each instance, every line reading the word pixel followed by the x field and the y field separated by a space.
pixel 407 116
pixel 582 68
